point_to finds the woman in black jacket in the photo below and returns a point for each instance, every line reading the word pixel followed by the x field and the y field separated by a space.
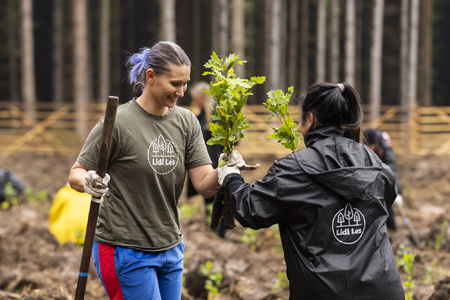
pixel 331 202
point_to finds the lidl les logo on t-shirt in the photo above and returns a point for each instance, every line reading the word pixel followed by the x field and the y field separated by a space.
pixel 163 155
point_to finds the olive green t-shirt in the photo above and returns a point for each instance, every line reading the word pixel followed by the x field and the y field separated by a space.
pixel 148 160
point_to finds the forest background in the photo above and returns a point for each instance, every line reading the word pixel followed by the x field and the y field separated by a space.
pixel 395 52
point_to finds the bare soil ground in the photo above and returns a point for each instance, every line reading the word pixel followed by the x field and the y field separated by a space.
pixel 33 265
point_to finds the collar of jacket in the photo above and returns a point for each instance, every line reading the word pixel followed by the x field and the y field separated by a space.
pixel 322 132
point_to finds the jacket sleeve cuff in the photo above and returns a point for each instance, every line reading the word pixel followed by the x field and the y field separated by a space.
pixel 232 182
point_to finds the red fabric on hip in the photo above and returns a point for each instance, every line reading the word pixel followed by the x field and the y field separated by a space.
pixel 108 271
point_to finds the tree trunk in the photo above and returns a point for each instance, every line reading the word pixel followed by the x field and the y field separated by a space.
pixel 304 45
pixel 197 40
pixel 130 25
pixel 238 33
pixel 168 20
pixel 404 67
pixel 220 28
pixel 413 54
pixel 293 49
pixel 58 52
pixel 28 72
pixel 81 77
pixel 413 57
pixel 404 54
pixel 12 51
pixel 104 50
pixel 274 21
pixel 334 42
pixel 321 40
pixel 350 41
pixel 375 60
pixel 427 53
pixel 116 51
pixel 358 43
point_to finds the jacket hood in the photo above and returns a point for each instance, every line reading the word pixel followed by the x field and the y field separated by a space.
pixel 342 165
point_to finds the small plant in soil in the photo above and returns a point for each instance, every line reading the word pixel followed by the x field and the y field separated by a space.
pixel 228 122
pixel 405 259
pixel 249 237
pixel 440 238
pixel 187 211
pixel 213 279
pixel 209 207
pixel 11 197
pixel 428 277
pixel 33 197
pixel 282 282
pixel 278 104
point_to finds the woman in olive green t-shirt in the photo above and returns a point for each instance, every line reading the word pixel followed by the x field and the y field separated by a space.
pixel 138 250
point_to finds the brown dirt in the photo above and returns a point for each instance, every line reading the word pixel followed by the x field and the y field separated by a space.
pixel 34 266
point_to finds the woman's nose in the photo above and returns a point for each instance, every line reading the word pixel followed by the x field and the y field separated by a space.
pixel 180 92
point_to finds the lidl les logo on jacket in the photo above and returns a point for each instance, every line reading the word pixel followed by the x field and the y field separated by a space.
pixel 348 225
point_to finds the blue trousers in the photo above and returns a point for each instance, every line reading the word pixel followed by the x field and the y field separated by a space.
pixel 132 274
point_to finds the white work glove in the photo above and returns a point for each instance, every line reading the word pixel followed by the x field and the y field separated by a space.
pixel 399 200
pixel 94 185
pixel 235 163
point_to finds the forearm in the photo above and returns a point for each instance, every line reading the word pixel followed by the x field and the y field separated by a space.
pixel 204 179
pixel 209 184
pixel 77 176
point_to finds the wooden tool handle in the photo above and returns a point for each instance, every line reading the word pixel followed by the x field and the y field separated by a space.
pixel 102 164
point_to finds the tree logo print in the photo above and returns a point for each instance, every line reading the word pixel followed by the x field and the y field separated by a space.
pixel 163 155
pixel 348 225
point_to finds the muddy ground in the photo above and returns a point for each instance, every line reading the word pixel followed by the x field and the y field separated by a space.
pixel 33 265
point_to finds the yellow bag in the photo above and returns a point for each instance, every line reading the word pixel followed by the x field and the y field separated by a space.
pixel 69 214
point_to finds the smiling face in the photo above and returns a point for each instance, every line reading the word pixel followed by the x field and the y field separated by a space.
pixel 164 89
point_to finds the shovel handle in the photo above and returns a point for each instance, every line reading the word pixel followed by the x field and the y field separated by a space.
pixel 102 164
pixel 414 236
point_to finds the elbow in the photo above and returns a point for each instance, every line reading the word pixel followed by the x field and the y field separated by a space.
pixel 208 194
pixel 74 184
pixel 76 181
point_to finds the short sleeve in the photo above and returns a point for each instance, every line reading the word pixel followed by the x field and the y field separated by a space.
pixel 196 152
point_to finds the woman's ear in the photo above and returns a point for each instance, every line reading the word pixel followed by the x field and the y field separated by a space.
pixel 150 75
pixel 309 119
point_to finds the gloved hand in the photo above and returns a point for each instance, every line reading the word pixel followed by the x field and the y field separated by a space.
pixel 235 163
pixel 94 185
pixel 399 200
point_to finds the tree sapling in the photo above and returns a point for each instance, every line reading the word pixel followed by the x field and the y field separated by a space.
pixel 278 104
pixel 228 122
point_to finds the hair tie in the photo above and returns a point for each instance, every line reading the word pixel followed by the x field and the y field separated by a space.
pixel 341 87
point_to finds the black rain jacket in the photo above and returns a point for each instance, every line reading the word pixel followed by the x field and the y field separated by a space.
pixel 331 202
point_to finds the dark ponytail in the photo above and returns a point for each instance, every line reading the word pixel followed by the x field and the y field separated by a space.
pixel 138 89
pixel 333 105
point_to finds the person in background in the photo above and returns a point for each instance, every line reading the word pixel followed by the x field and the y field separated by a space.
pixel 68 215
pixel 380 143
pixel 330 200
pixel 138 247
pixel 11 186
pixel 202 105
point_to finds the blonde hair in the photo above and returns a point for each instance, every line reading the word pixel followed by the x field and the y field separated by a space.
pixel 198 91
